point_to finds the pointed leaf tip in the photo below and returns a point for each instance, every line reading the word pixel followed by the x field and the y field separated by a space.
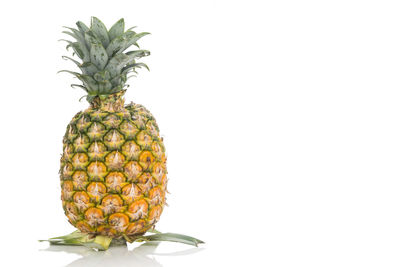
pixel 82 27
pixel 100 31
pixel 117 29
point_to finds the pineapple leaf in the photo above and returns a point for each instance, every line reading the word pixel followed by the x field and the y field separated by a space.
pixel 139 65
pixel 122 42
pixel 68 41
pixel 76 74
pixel 73 235
pixel 77 50
pixel 79 86
pixel 100 31
pixel 88 68
pixel 72 242
pixel 104 86
pixel 131 28
pixel 119 79
pixel 119 61
pixel 116 89
pixel 81 51
pixel 90 38
pixel 116 45
pixel 98 55
pixel 116 63
pixel 133 37
pixel 76 34
pixel 117 29
pixel 116 81
pixel 172 238
pixel 82 27
pixel 103 63
pixel 135 65
pixel 73 60
pixel 89 83
pixel 138 53
pixel 154 231
pixel 89 98
pixel 71 34
pixel 102 76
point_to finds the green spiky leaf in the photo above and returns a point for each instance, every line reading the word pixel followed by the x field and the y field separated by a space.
pixel 82 27
pixel 90 38
pixel 79 86
pixel 116 81
pixel 81 239
pixel 73 60
pixel 137 54
pixel 130 29
pixel 76 74
pixel 104 63
pixel 116 45
pixel 71 34
pixel 73 235
pixel 88 68
pixel 102 76
pixel 98 56
pixel 153 231
pixel 133 66
pixel 172 237
pixel 116 89
pixel 100 31
pixel 77 49
pixel 117 29
pixel 116 63
pixel 80 37
pixel 134 38
pixel 104 86
pixel 89 83
pixel 68 41
pixel 81 51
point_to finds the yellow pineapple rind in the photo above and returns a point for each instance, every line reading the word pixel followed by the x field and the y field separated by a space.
pixel 113 171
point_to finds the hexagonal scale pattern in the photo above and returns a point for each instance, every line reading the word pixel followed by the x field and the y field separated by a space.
pixel 113 171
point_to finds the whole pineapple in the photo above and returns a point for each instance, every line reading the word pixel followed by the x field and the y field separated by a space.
pixel 113 166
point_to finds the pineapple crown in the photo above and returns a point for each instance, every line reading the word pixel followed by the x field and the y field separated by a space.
pixel 105 64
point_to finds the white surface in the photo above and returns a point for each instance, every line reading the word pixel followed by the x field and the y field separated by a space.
pixel 281 121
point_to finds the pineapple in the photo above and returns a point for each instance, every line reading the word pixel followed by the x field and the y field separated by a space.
pixel 113 167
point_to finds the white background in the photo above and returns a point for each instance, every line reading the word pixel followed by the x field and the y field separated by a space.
pixel 281 122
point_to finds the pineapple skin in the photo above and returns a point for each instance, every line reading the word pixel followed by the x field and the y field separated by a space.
pixel 113 169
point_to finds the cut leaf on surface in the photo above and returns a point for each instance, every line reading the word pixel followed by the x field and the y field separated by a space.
pixel 103 242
